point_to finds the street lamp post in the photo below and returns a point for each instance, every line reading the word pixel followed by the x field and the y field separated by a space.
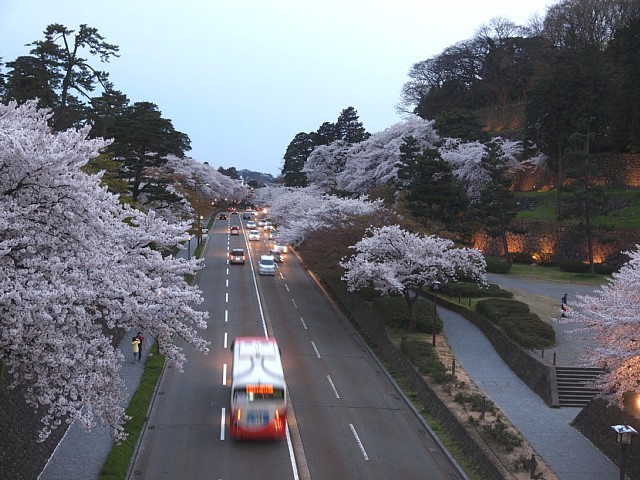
pixel 436 286
pixel 624 435
pixel 189 248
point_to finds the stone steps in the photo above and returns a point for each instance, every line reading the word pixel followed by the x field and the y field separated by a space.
pixel 573 385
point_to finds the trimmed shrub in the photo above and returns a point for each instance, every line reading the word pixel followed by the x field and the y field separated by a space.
pixel 425 358
pixel 368 293
pixel 522 257
pixel 517 322
pixel 576 266
pixel 396 313
pixel 497 265
pixel 546 260
pixel 467 289
pixel 498 309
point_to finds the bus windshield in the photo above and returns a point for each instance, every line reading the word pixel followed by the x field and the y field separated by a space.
pixel 252 393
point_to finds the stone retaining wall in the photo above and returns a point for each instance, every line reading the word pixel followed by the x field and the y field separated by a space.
pixel 554 242
pixel 614 171
pixel 22 457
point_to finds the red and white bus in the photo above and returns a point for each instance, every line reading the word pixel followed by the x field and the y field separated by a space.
pixel 258 390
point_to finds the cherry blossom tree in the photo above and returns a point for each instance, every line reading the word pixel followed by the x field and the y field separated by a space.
pixel 395 261
pixel 77 268
pixel 198 185
pixel 360 167
pixel 299 211
pixel 610 318
pixel 466 160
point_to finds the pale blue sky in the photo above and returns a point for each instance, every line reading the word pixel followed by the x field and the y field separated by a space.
pixel 242 77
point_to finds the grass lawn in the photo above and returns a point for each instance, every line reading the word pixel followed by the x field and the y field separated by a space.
pixel 554 274
pixel 116 466
pixel 627 216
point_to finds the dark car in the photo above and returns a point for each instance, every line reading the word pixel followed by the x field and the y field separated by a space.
pixel 236 256
pixel 222 216
pixel 235 230
pixel 277 256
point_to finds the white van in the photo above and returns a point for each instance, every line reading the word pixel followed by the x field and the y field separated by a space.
pixel 266 265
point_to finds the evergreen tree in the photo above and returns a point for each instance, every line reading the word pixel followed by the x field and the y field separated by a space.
pixel 459 123
pixel 230 172
pixel 432 192
pixel 60 55
pixel 28 79
pixel 585 199
pixel 349 128
pixel 142 140
pixel 327 133
pixel 296 155
pixel 496 207
pixel 624 67
pixel 104 111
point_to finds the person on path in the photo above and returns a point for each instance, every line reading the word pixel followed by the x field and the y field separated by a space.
pixel 564 306
pixel 141 340
pixel 135 348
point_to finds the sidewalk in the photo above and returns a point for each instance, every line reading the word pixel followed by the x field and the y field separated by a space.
pixel 569 454
pixel 80 454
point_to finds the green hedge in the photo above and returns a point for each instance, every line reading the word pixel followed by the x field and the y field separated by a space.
pixel 473 290
pixel 576 266
pixel 497 265
pixel 522 257
pixel 425 358
pixel 517 322
pixel 396 313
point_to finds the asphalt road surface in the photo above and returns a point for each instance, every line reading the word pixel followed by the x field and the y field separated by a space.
pixel 346 418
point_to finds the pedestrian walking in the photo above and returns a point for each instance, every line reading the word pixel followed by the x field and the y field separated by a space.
pixel 141 340
pixel 135 348
pixel 565 307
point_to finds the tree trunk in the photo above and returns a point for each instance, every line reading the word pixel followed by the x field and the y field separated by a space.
pixel 559 182
pixel 411 303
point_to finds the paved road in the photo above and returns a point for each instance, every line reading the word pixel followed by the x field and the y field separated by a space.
pixel 572 457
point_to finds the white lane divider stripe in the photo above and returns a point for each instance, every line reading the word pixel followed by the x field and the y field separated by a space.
pixel 315 348
pixel 355 434
pixel 223 416
pixel 333 386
